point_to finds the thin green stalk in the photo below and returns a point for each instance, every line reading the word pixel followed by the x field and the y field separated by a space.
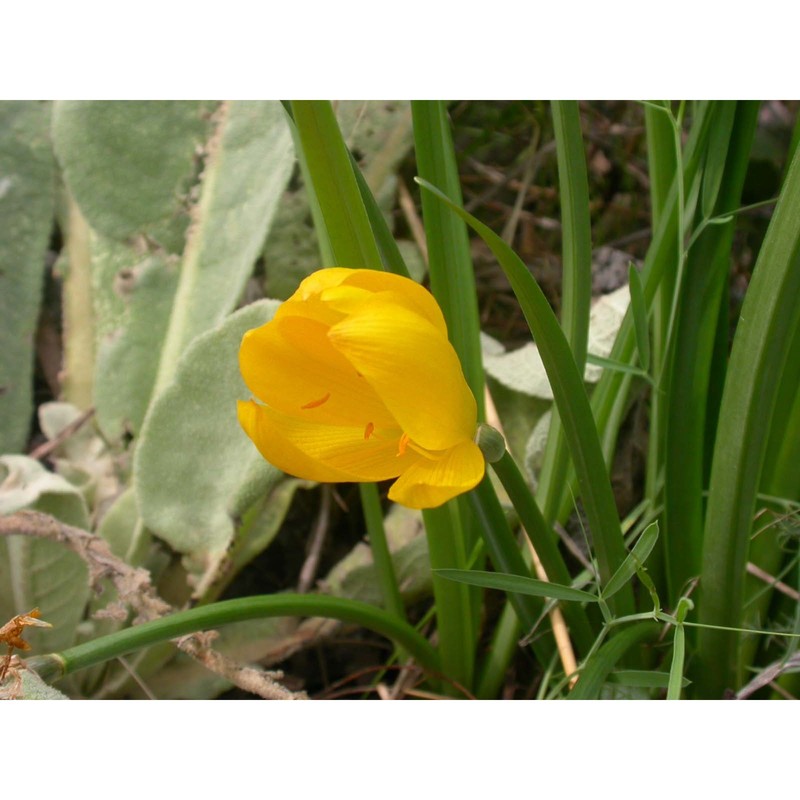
pixel 504 552
pixel 769 318
pixel 541 535
pixel 494 667
pixel 115 645
pixel 450 534
pixel 334 184
pixel 576 299
pixel 381 557
pixel 449 260
pixel 595 671
pixel 660 263
pixel 454 623
pixel 695 333
pixel 576 290
pixel 570 396
pixel 392 257
pixel 664 164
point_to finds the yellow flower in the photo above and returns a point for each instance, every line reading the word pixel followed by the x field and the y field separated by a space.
pixel 358 382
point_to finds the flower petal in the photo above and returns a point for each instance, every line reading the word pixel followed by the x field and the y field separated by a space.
pixel 413 368
pixel 320 280
pixel 290 365
pixel 420 298
pixel 325 453
pixel 428 483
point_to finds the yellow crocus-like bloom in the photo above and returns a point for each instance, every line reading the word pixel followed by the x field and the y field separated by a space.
pixel 357 381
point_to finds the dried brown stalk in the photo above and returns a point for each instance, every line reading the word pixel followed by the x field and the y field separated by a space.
pixel 136 591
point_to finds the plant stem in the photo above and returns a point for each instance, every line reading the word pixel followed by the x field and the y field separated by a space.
pixel 97 651
pixel 382 558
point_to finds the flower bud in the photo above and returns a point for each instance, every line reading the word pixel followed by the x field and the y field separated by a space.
pixel 491 442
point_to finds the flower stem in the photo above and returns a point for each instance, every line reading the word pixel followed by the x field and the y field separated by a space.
pixel 457 637
pixel 97 651
pixel 543 541
pixel 384 569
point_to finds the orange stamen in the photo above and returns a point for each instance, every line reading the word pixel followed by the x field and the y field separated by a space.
pixel 317 403
pixel 402 444
pixel 368 431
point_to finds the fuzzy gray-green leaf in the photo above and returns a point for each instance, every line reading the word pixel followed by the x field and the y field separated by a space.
pixel 248 166
pixel 26 220
pixel 131 165
pixel 195 470
pixel 38 572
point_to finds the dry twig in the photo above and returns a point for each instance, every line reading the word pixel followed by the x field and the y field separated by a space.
pixel 135 590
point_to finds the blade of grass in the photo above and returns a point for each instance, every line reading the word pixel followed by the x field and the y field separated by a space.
pixel 664 164
pixel 455 625
pixel 553 486
pixel 695 333
pixel 504 553
pixel 675 684
pixel 597 669
pixel 541 536
pixel 453 285
pixel 517 584
pixel 610 395
pixel 643 679
pixel 639 311
pixel 449 260
pixel 571 399
pixel 769 318
pixel 335 187
pixel 387 580
pixel 618 366
pixel 633 563
pixel 576 292
pixel 392 258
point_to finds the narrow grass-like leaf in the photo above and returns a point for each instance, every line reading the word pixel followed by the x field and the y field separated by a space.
pixel 618 366
pixel 517 584
pixel 609 398
pixel 662 157
pixel 453 285
pixel 639 309
pixel 335 186
pixel 576 295
pixel 676 670
pixel 570 397
pixel 392 258
pixel 541 536
pixel 768 321
pixel 449 259
pixel 634 561
pixel 596 671
pixel 457 634
pixel 690 412
pixel 644 679
pixel 716 156
pixel 663 160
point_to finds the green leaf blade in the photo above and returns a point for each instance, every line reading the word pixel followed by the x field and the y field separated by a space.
pixel 517 584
